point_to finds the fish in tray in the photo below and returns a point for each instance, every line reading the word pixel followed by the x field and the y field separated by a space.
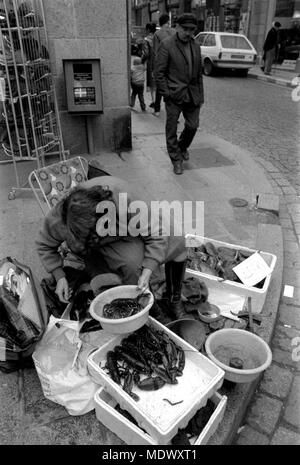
pixel 147 358
pixel 216 261
pixel 125 307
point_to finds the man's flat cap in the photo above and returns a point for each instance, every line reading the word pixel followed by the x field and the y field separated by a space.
pixel 187 19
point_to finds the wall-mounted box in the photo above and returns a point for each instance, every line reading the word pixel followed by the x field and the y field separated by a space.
pixel 83 86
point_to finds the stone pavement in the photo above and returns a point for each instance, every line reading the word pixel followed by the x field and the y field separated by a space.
pixel 216 173
pixel 273 416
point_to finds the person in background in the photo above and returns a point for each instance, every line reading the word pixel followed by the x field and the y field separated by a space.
pixel 164 32
pixel 178 73
pixel 147 57
pixel 137 82
pixel 271 47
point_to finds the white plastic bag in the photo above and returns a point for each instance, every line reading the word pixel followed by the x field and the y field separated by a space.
pixel 64 378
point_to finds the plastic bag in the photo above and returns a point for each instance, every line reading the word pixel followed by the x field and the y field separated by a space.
pixel 63 375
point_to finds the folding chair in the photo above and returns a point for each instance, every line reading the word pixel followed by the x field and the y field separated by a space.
pixel 50 183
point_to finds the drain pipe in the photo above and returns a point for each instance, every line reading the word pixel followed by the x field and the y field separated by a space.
pixel 89 134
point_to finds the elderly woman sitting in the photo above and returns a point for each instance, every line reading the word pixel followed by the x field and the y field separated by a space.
pixel 97 223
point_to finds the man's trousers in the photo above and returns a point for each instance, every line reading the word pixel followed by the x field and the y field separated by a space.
pixel 270 57
pixel 191 123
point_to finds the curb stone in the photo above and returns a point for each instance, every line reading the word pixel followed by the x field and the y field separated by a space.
pixel 281 82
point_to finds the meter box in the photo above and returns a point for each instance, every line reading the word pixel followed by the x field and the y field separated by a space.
pixel 83 86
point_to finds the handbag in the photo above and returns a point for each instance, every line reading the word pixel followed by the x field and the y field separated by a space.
pixel 23 314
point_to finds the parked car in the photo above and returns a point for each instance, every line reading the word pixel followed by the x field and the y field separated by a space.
pixel 226 50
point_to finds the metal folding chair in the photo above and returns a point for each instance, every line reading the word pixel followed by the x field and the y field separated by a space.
pixel 50 183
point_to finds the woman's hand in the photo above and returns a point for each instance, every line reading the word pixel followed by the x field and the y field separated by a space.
pixel 144 279
pixel 63 291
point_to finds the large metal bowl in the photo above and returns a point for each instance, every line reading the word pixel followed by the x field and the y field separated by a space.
pixel 192 331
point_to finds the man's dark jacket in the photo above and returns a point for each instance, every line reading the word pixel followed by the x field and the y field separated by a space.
pixel 172 72
pixel 272 40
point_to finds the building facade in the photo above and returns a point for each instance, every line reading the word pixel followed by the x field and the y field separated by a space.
pixel 93 29
pixel 250 17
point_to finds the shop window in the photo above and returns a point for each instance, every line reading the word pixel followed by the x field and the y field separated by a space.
pixel 284 8
pixel 138 17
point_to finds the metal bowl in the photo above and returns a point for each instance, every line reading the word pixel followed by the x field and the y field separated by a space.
pixel 192 331
pixel 209 312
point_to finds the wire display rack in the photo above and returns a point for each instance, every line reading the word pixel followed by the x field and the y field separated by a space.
pixel 29 119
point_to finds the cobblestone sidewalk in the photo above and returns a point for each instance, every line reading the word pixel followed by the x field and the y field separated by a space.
pixel 273 416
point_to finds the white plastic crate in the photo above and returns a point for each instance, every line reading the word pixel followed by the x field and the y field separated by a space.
pixel 133 435
pixel 235 287
pixel 201 378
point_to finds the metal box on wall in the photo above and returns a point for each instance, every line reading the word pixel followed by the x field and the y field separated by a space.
pixel 83 86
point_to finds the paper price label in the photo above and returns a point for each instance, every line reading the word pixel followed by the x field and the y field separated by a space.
pixel 252 270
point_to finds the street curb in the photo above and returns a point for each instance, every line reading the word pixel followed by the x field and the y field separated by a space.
pixel 272 80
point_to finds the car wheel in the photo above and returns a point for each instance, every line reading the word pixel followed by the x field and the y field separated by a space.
pixel 243 72
pixel 208 68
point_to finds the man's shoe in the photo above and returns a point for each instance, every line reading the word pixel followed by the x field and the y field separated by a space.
pixel 178 169
pixel 156 113
pixel 185 155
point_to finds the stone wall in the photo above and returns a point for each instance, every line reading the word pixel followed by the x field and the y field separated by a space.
pixel 261 17
pixel 92 29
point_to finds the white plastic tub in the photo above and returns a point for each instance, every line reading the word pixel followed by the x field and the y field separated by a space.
pixel 120 325
pixel 133 435
pixel 235 287
pixel 201 378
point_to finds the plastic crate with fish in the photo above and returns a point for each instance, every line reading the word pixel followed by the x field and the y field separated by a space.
pixel 119 422
pixel 163 411
pixel 212 262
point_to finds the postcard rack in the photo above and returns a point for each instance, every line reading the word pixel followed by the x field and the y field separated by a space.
pixel 29 119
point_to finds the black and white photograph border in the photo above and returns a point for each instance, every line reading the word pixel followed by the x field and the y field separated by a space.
pixel 66 71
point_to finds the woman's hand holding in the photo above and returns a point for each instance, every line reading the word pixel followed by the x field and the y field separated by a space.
pixel 144 279
pixel 63 291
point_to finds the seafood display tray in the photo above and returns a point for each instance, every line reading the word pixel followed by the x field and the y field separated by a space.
pixel 133 435
pixel 201 378
pixel 234 287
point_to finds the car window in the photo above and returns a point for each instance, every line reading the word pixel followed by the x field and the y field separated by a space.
pixel 200 38
pixel 235 42
pixel 210 40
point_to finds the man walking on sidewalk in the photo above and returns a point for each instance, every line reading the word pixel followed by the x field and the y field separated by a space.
pixel 164 32
pixel 178 73
pixel 271 47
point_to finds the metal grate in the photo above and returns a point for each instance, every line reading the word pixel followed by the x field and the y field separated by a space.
pixel 29 119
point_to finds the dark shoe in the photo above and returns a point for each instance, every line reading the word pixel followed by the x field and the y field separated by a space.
pixel 151 105
pixel 175 272
pixel 178 169
pixel 185 155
